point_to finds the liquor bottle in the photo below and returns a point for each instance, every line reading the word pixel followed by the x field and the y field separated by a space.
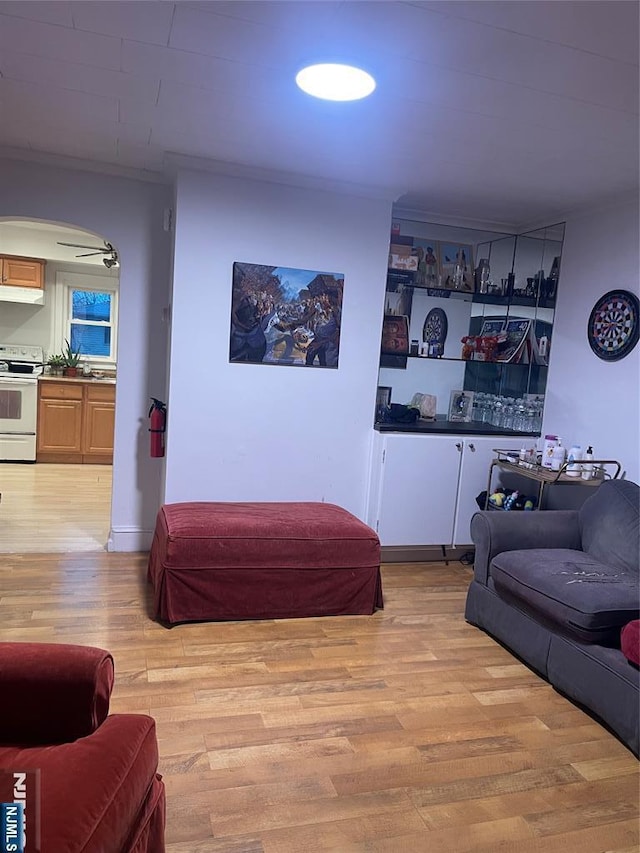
pixel 587 470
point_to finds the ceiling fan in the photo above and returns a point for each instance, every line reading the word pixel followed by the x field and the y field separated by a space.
pixel 96 250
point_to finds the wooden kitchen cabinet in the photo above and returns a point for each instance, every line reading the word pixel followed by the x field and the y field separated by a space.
pixel 98 423
pixel 75 422
pixel 22 272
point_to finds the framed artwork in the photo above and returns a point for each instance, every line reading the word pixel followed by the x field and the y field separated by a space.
pixel 395 335
pixel 398 302
pixel 460 406
pixel 512 341
pixel 287 316
pixel 428 269
pixel 456 267
pixel 613 327
pixel 491 328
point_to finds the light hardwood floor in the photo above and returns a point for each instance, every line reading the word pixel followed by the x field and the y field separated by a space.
pixel 402 732
pixel 49 507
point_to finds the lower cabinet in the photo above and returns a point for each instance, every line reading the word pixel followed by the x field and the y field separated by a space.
pixel 98 423
pixel 75 422
pixel 423 488
pixel 475 460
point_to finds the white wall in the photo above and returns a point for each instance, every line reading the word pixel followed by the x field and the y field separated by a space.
pixel 128 214
pixel 262 432
pixel 590 401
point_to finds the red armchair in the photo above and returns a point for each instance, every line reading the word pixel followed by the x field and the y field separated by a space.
pixel 99 789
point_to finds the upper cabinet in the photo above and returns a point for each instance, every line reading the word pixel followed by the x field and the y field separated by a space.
pixel 469 319
pixel 22 272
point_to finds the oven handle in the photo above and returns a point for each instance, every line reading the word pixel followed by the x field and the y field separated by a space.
pixel 8 383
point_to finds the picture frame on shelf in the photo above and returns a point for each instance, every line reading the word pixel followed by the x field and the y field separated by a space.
pixel 383 401
pixel 456 267
pixel 397 303
pixel 395 335
pixel 491 327
pixel 428 269
pixel 513 339
pixel 407 263
pixel 460 406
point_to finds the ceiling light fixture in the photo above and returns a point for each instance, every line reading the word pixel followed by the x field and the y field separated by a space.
pixel 334 82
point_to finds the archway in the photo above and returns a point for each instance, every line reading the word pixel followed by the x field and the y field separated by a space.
pixel 61 501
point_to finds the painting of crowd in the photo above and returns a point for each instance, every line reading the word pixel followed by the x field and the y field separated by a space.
pixel 281 315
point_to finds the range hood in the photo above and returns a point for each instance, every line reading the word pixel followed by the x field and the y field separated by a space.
pixel 26 295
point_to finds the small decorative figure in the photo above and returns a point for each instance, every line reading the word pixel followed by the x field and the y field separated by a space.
pixel 430 264
pixel 468 346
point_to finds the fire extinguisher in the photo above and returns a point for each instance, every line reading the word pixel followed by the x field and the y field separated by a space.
pixel 158 426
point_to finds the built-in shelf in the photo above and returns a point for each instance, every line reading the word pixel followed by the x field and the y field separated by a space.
pixel 433 359
pixel 513 320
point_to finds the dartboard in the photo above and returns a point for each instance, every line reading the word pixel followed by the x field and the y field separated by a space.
pixel 613 325
pixel 435 327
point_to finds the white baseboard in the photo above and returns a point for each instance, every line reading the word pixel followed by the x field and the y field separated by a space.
pixel 129 539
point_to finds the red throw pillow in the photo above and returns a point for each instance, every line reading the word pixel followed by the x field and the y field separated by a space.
pixel 630 642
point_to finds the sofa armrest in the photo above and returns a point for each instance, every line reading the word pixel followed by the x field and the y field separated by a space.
pixel 52 693
pixel 494 532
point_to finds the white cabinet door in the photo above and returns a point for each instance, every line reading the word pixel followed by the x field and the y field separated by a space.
pixel 374 486
pixel 418 489
pixel 474 473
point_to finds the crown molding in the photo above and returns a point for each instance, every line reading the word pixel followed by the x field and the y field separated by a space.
pixel 62 161
pixel 438 218
pixel 176 162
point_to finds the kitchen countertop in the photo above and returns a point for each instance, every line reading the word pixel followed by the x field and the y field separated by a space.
pixel 106 380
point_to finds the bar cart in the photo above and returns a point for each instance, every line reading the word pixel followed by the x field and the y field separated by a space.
pixel 507 460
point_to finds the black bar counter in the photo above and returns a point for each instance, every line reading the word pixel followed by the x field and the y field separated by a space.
pixel 442 426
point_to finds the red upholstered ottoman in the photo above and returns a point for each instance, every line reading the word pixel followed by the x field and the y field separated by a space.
pixel 229 561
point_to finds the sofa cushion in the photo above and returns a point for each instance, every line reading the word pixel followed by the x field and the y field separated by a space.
pixel 570 590
pixel 630 641
pixel 94 791
pixel 609 525
pixel 601 680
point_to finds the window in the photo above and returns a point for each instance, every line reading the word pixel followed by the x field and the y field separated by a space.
pixel 91 322
pixel 87 315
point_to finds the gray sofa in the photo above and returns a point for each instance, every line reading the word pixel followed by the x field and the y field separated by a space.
pixel 557 587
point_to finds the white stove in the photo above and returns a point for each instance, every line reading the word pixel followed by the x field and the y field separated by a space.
pixel 20 366
pixel 21 360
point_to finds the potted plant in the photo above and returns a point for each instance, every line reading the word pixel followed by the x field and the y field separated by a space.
pixel 56 363
pixel 71 359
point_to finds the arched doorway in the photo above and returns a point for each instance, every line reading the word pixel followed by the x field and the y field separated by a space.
pixel 61 502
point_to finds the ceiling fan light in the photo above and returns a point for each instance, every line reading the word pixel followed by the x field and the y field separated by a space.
pixel 335 82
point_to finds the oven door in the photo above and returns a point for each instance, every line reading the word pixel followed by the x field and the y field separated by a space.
pixel 18 405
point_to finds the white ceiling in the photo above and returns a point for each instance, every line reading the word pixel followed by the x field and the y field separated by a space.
pixel 507 112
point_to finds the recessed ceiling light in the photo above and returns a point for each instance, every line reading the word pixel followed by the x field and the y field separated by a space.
pixel 335 82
